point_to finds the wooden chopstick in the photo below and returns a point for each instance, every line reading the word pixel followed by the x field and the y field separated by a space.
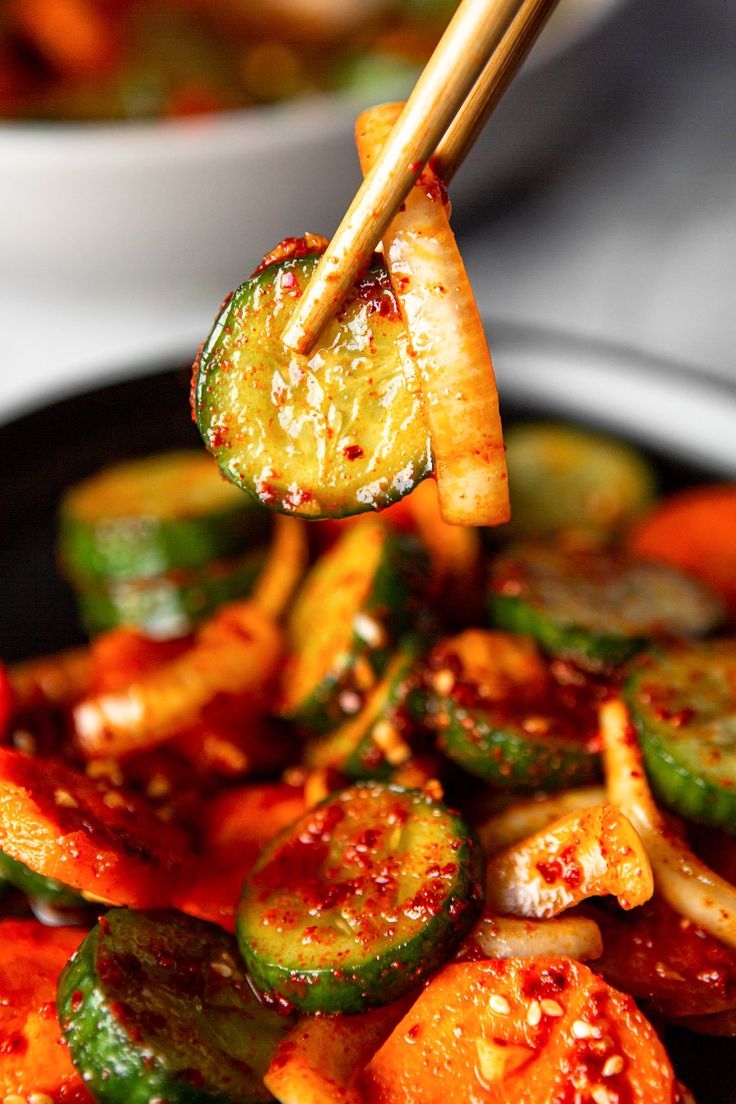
pixel 490 87
pixel 475 31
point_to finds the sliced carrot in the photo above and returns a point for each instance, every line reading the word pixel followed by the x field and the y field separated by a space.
pixel 529 1031
pixel 453 362
pixel 235 652
pixel 235 826
pixel 319 1060
pixel 34 1061
pixel 100 841
pixel 589 853
pixel 695 530
pixel 664 959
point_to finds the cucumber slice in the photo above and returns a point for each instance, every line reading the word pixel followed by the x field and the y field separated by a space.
pixel 597 608
pixel 683 705
pixel 142 518
pixel 170 605
pixel 359 900
pixel 156 1006
pixel 361 747
pixel 36 886
pixel 355 603
pixel 505 716
pixel 564 480
pixel 337 433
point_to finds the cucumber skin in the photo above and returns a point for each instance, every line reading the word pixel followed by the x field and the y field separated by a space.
pixel 365 762
pixel 399 580
pixel 589 649
pixel 685 793
pixel 508 759
pixel 399 969
pixel 142 548
pixel 113 1070
pixel 178 606
pixel 37 886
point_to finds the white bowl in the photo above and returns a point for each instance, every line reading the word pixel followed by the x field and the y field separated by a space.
pixel 119 239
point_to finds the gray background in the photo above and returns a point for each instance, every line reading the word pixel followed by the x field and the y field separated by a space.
pixel 629 233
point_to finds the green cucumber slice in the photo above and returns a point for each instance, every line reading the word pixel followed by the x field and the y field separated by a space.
pixel 170 605
pixel 336 433
pixel 357 747
pixel 156 1006
pixel 565 480
pixel 505 716
pixel 359 900
pixel 357 600
pixel 598 608
pixel 142 518
pixel 36 886
pixel 683 704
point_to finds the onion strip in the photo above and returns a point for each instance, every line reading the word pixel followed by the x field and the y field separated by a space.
pixel 285 564
pixel 686 883
pixel 508 937
pixel 455 369
pixel 235 652
pixel 589 853
pixel 523 818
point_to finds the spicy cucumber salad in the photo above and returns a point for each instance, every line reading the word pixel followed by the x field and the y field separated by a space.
pixel 411 811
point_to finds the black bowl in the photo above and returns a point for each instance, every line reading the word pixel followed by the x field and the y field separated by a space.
pixel 540 375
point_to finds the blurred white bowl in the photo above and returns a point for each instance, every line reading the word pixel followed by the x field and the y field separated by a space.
pixel 119 239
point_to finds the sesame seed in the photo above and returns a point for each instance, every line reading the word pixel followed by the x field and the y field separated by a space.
pixel 222 969
pixel 613 1065
pixel 369 630
pixel 24 741
pixel 66 801
pixel 551 1007
pixel 113 800
pixel 444 681
pixel 158 786
pixel 39 1098
pixel 499 1004
pixel 581 1029
pixel 534 1013
pixel 15 1099
pixel 601 1095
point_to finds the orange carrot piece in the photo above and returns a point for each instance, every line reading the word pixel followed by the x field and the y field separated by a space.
pixel 235 827
pixel 103 842
pixel 523 1030
pixel 695 530
pixel 319 1060
pixel 34 1061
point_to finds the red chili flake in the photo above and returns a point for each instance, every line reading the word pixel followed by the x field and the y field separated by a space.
pixel 77 1000
pixel 562 868
pixel 352 452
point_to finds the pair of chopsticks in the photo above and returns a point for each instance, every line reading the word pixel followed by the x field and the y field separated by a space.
pixel 473 65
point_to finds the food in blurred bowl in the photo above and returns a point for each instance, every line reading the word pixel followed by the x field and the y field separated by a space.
pixel 117 59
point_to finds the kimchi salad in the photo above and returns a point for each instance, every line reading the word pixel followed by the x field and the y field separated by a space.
pixel 380 809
